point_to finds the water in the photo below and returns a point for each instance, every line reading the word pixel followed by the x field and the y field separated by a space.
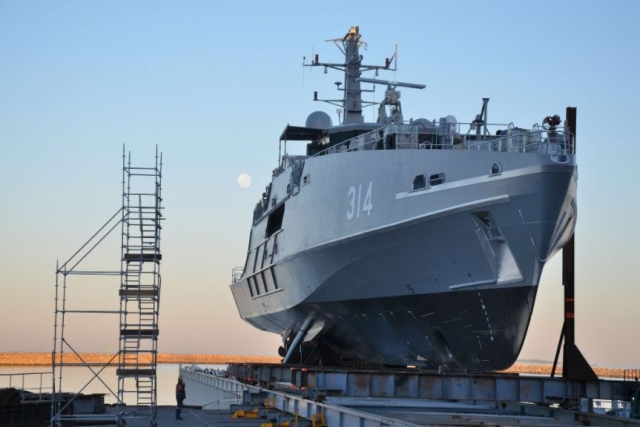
pixel 74 378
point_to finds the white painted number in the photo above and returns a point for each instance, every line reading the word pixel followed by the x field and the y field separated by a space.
pixel 356 206
pixel 367 206
pixel 352 209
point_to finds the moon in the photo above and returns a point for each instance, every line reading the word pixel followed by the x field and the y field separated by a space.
pixel 244 180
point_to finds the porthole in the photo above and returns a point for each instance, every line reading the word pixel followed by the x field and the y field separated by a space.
pixel 496 169
pixel 562 158
pixel 436 179
pixel 419 182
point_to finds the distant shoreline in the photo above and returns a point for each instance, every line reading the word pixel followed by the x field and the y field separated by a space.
pixel 44 359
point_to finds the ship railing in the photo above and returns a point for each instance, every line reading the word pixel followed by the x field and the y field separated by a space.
pixel 555 141
pixel 32 386
pixel 631 376
pixel 236 273
pixel 445 135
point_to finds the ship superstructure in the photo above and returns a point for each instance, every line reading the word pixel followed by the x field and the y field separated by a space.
pixel 406 242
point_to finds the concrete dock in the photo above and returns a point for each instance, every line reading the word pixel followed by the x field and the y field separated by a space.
pixel 223 418
pixel 194 417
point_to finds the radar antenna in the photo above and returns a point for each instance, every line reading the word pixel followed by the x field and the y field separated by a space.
pixel 391 99
pixel 391 84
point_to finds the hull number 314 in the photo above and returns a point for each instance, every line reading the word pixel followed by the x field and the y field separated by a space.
pixel 357 202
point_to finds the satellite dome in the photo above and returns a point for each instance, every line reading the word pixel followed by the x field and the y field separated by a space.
pixel 451 120
pixel 318 120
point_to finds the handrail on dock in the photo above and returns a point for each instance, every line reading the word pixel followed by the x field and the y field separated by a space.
pixel 32 386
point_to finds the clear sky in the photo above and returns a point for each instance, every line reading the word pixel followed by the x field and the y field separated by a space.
pixel 214 83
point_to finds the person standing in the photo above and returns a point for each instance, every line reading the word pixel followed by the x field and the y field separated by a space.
pixel 181 394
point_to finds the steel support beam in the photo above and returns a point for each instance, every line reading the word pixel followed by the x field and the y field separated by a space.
pixel 316 382
pixel 393 411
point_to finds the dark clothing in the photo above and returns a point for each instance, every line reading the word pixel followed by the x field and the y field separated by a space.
pixel 181 394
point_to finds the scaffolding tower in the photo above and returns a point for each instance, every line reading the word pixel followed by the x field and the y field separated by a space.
pixel 140 218
pixel 140 284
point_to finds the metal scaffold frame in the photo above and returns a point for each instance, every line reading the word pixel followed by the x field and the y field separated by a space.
pixel 140 218
pixel 140 284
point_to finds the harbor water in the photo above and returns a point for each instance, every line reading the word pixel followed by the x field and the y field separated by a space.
pixel 38 379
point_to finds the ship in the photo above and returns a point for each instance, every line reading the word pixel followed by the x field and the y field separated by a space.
pixel 405 242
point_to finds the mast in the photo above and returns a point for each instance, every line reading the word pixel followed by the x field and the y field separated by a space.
pixel 352 104
pixel 353 68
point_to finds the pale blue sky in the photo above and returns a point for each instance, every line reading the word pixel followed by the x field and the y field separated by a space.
pixel 214 83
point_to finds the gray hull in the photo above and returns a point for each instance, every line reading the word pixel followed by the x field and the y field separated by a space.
pixel 376 271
